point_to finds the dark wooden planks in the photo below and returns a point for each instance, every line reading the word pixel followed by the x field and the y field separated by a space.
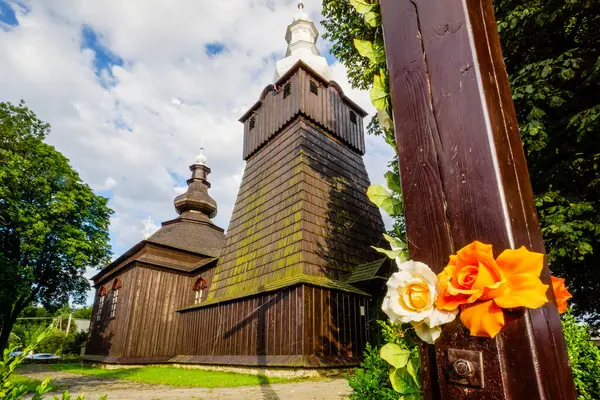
pixel 302 321
pixel 460 153
pixel 329 109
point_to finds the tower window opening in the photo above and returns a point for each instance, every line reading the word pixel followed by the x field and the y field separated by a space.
pixel 314 87
pixel 353 117
pixel 252 122
pixel 287 89
pixel 199 289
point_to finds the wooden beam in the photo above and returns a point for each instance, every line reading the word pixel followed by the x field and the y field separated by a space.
pixel 465 178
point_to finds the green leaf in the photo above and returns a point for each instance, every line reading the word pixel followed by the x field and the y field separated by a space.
pixel 392 181
pixel 413 366
pixel 395 355
pixel 384 200
pixel 365 49
pixel 389 253
pixel 375 53
pixel 385 121
pixel 402 382
pixel 379 93
pixel 378 194
pixel 412 396
pixel 362 6
pixel 373 18
pixel 395 243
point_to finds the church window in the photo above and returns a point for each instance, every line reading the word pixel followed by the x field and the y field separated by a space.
pixel 252 122
pixel 353 117
pixel 287 89
pixel 115 297
pixel 314 87
pixel 199 289
pixel 102 294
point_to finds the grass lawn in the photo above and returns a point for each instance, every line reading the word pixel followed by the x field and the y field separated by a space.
pixel 173 376
pixel 19 380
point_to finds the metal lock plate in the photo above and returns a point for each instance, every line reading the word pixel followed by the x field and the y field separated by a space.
pixel 465 367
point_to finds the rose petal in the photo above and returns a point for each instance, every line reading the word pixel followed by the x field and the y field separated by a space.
pixel 520 261
pixel 440 317
pixel 487 276
pixel 416 268
pixel 426 333
pixel 483 318
pixel 385 306
pixel 560 293
pixel 472 253
pixel 523 290
pixel 397 279
pixel 446 301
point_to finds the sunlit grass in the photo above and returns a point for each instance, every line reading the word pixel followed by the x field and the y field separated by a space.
pixel 30 384
pixel 173 376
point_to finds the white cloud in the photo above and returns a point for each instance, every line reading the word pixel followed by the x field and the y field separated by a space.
pixel 135 130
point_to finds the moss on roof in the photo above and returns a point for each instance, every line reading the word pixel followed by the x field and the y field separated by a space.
pixel 366 272
pixel 319 281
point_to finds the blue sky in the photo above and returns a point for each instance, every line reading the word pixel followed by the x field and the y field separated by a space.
pixel 133 89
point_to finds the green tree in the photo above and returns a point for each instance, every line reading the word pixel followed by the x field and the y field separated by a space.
pixel 52 225
pixel 83 312
pixel 552 53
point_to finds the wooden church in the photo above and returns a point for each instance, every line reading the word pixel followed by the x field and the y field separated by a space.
pixel 292 282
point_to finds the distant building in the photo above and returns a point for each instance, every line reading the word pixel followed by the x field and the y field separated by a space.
pixel 82 325
pixel 291 283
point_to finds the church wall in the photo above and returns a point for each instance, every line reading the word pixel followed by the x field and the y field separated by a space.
pixel 303 326
pixel 106 333
pixel 146 326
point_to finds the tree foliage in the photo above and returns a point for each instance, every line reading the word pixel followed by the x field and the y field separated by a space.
pixel 52 225
pixel 552 51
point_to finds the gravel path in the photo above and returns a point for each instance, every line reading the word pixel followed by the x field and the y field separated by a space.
pixel 93 387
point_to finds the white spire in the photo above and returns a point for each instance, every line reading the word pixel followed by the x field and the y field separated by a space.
pixel 201 158
pixel 301 37
pixel 301 15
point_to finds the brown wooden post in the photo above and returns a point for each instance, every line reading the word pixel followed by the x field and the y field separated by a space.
pixel 465 178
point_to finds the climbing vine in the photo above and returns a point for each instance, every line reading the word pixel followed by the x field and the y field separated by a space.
pixel 399 351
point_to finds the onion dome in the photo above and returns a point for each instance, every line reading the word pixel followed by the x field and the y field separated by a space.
pixel 196 199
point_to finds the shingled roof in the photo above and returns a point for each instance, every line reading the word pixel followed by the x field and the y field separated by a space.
pixel 192 231
pixel 190 234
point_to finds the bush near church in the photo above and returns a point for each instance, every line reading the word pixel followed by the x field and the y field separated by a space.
pixel 371 381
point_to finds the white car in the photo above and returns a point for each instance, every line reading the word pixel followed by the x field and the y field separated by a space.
pixel 43 356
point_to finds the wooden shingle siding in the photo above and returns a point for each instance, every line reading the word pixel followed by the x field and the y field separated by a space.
pixel 302 204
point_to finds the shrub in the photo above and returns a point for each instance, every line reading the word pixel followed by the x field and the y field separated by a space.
pixel 372 380
pixel 53 343
pixel 16 390
pixel 73 343
pixel 584 356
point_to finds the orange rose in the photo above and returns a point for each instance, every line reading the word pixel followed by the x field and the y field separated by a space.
pixel 561 293
pixel 482 286
pixel 472 274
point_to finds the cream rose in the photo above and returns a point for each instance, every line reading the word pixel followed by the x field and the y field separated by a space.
pixel 411 297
